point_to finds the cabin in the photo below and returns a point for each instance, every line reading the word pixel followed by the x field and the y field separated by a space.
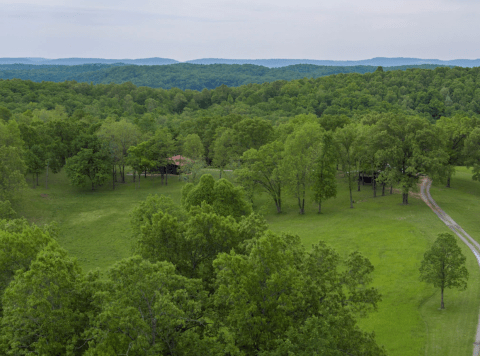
pixel 174 165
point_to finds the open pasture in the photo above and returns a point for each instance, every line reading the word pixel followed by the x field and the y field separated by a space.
pixel 94 227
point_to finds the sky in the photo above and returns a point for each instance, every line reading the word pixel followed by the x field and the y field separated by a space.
pixel 240 29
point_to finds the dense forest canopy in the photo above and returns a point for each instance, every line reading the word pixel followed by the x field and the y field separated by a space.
pixel 181 75
pixel 429 93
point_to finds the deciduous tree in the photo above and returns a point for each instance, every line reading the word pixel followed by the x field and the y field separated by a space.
pixel 454 131
pixel 412 147
pixel 324 176
pixel 148 309
pixel 301 152
pixel 89 166
pixel 443 265
pixel 346 139
pixel 277 286
pixel 44 310
pixel 261 170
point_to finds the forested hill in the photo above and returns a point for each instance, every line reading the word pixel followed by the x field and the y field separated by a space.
pixel 270 63
pixel 378 61
pixel 181 75
pixel 430 93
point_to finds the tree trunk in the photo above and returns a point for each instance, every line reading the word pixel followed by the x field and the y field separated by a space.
pixel 93 186
pixel 351 199
pixel 123 174
pixel 139 176
pixel 363 178
pixel 359 181
pixel 166 178
pixel 134 176
pixel 448 181
pixel 391 189
pixel 383 189
pixel 405 198
pixel 374 183
pixel 220 173
pixel 278 201
pixel 320 207
pixel 37 178
pixel 46 178
pixel 33 180
pixel 145 174
pixel 442 306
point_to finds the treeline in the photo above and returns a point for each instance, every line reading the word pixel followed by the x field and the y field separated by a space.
pixel 300 157
pixel 182 75
pixel 428 93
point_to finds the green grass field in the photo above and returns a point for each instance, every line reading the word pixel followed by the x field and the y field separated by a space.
pixel 94 227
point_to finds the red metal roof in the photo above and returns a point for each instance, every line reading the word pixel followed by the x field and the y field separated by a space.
pixel 180 160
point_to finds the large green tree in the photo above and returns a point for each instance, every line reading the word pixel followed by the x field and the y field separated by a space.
pixel 12 165
pixel 119 136
pixel 190 240
pixel 224 149
pixel 471 152
pixel 454 131
pixel 148 309
pixel 89 166
pixel 261 169
pixel 324 175
pixel 277 287
pixel 302 149
pixel 20 243
pixel 346 139
pixel 193 147
pixel 443 265
pixel 45 309
pixel 412 147
pixel 222 195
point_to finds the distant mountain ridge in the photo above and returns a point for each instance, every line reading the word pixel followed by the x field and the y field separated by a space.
pixel 181 75
pixel 378 61
pixel 269 63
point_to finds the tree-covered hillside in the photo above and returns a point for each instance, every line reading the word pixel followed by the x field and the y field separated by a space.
pixel 430 93
pixel 182 75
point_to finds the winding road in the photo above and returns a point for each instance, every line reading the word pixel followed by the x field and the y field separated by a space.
pixel 466 238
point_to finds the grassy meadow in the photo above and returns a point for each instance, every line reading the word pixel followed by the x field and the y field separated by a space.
pixel 94 227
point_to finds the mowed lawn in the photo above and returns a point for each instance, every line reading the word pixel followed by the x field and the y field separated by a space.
pixel 94 227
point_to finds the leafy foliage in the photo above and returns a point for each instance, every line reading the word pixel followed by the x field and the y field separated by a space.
pixel 182 75
pixel 221 195
pixel 146 308
pixel 443 265
pixel 277 287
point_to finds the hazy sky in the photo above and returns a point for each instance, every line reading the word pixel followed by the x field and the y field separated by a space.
pixel 190 29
